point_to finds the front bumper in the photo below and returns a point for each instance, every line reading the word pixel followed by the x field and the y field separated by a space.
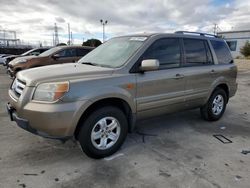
pixel 24 124
pixel 10 72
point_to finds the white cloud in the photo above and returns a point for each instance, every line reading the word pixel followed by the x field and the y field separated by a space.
pixel 35 21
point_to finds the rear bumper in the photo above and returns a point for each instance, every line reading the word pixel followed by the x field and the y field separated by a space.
pixel 24 124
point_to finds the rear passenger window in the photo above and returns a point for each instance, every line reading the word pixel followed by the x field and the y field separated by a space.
pixel 222 52
pixel 167 51
pixel 197 52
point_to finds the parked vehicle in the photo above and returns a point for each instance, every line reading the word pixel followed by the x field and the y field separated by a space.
pixel 56 55
pixel 2 58
pixel 32 52
pixel 98 100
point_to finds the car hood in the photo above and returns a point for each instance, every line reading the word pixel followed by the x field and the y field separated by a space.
pixel 12 56
pixel 62 72
pixel 17 60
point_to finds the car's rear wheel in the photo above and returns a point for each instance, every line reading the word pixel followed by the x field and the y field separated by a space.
pixel 103 132
pixel 215 107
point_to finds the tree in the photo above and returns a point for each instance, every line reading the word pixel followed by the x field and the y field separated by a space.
pixel 61 44
pixel 245 50
pixel 92 43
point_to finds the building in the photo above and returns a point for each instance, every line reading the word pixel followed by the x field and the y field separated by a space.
pixel 235 40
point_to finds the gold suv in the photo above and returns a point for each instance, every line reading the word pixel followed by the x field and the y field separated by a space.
pixel 98 100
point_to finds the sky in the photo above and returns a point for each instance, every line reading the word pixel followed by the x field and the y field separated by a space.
pixel 34 20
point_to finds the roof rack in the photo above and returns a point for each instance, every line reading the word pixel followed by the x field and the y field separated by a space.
pixel 196 33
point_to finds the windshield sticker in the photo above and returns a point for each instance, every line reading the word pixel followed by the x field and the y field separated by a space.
pixel 138 39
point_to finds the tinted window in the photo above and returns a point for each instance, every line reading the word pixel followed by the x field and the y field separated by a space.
pixel 42 50
pixel 197 52
pixel 67 53
pixel 82 52
pixel 167 51
pixel 232 45
pixel 222 52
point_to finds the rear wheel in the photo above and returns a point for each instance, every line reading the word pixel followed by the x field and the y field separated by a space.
pixel 103 132
pixel 215 107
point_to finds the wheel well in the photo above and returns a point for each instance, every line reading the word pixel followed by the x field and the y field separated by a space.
pixel 117 102
pixel 225 88
pixel 18 69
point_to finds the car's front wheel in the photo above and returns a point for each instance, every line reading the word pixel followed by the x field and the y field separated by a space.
pixel 215 107
pixel 103 132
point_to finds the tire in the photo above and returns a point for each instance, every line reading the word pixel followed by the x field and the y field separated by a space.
pixel 95 126
pixel 215 106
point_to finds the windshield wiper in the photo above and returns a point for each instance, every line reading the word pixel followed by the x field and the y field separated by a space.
pixel 96 64
pixel 89 63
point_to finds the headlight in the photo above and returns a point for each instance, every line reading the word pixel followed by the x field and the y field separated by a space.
pixel 50 92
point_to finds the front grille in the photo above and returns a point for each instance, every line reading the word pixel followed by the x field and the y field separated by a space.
pixel 18 87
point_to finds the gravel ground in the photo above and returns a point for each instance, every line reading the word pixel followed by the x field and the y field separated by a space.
pixel 179 152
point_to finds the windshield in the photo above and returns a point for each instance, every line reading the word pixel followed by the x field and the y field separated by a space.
pixel 114 53
pixel 26 53
pixel 50 51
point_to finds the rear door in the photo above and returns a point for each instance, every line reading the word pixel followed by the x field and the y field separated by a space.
pixel 199 70
pixel 161 90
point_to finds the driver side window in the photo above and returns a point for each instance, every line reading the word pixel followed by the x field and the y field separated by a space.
pixel 67 53
pixel 167 51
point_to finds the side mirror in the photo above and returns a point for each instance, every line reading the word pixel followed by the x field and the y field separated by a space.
pixel 56 56
pixel 149 65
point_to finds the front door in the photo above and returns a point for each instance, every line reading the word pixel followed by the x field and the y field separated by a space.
pixel 162 90
pixel 200 71
pixel 66 56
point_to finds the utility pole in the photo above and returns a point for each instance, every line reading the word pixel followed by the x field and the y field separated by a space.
pixel 14 32
pixel 71 38
pixel 56 35
pixel 103 28
pixel 69 42
pixel 4 38
pixel 53 43
pixel 215 29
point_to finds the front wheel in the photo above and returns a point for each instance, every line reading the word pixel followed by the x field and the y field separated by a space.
pixel 103 132
pixel 215 107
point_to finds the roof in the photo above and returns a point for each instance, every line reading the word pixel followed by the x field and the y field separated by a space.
pixel 176 34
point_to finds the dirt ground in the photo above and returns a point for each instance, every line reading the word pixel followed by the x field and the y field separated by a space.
pixel 177 150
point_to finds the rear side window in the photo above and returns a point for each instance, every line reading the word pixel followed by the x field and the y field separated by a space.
pixel 82 52
pixel 167 51
pixel 222 52
pixel 197 52
pixel 232 45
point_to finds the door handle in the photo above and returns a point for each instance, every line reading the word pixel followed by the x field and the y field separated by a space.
pixel 179 76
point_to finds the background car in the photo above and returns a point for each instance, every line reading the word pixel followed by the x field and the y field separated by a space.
pixel 2 57
pixel 56 55
pixel 32 52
